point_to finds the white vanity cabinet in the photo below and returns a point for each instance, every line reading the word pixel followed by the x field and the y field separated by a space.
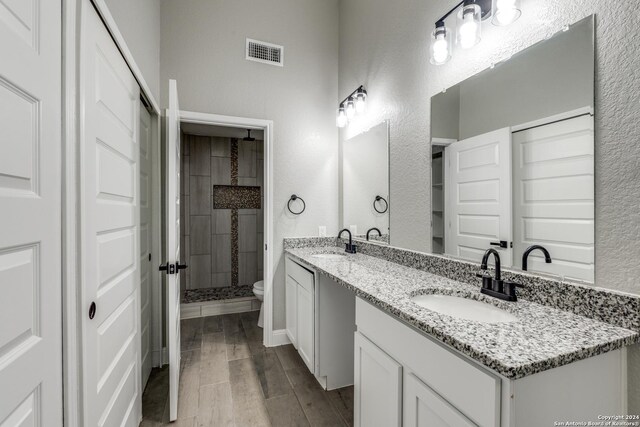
pixel 299 300
pixel 403 377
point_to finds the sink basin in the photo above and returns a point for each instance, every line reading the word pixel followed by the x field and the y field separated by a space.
pixel 464 308
pixel 328 256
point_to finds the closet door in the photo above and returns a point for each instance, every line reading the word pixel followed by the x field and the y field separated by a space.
pixel 553 196
pixel 109 222
pixel 30 213
pixel 145 244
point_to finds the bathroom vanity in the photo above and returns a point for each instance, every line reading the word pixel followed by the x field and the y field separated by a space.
pixel 414 366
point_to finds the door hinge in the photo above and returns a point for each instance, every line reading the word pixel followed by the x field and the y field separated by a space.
pixel 149 256
pixel 265 246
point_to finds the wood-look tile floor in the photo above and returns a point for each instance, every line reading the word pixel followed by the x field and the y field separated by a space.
pixel 228 378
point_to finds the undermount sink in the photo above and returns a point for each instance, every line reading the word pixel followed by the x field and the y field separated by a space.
pixel 464 308
pixel 328 256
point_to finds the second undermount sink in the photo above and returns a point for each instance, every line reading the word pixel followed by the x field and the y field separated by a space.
pixel 464 308
pixel 329 256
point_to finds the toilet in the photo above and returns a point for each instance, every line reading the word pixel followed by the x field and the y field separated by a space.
pixel 258 290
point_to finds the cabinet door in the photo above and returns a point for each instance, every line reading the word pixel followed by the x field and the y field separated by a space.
pixel 305 326
pixel 291 310
pixel 377 386
pixel 425 408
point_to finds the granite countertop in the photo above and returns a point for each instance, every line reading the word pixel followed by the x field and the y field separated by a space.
pixel 543 338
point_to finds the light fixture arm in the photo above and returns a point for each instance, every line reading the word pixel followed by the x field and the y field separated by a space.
pixel 485 7
pixel 359 89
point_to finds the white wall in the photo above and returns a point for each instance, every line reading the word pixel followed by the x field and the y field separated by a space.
pixel 139 23
pixel 384 45
pixel 203 48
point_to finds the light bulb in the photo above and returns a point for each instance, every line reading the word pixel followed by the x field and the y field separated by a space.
pixel 469 25
pixel 341 118
pixel 505 12
pixel 440 50
pixel 360 102
pixel 468 31
pixel 351 109
pixel 440 44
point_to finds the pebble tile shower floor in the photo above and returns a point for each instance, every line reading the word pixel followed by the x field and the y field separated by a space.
pixel 229 378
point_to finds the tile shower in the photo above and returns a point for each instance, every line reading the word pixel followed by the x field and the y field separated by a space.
pixel 221 216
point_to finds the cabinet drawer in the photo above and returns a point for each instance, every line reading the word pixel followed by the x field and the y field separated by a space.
pixel 300 274
pixel 472 390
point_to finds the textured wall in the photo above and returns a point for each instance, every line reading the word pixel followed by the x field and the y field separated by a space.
pixel 384 45
pixel 139 23
pixel 202 47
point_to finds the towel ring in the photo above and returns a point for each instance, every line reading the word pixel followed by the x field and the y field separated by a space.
pixel 293 199
pixel 386 204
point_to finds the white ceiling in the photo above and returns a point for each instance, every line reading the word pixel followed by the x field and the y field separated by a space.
pixel 222 131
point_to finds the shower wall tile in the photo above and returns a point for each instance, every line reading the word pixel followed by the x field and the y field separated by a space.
pixel 247 268
pixel 221 280
pixel 222 221
pixel 220 147
pixel 185 221
pixel 184 178
pixel 260 151
pixel 221 253
pixel 200 235
pixel 260 174
pixel 260 251
pixel 200 267
pixel 185 144
pixel 247 233
pixel 246 159
pixel 220 171
pixel 201 191
pixel 200 156
pixel 243 180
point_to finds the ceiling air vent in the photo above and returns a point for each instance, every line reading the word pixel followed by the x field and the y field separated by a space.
pixel 264 52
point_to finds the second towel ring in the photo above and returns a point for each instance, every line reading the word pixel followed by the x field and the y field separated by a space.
pixel 386 204
pixel 293 198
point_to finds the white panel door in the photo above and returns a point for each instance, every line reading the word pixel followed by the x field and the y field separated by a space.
pixel 377 383
pixel 109 223
pixel 478 214
pixel 173 245
pixel 145 244
pixel 30 213
pixel 425 408
pixel 553 196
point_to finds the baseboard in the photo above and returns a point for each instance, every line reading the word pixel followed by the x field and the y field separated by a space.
pixel 279 337
pixel 213 308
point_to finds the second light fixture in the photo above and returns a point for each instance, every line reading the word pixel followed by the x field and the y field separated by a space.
pixel 351 106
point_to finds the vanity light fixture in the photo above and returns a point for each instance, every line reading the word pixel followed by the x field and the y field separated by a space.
pixel 469 25
pixel 352 105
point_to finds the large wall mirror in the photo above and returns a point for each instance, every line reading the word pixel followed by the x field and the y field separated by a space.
pixel 513 159
pixel 365 184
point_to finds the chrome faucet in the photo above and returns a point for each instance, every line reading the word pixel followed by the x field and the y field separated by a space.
pixel 373 229
pixel 349 247
pixel 525 255
pixel 496 287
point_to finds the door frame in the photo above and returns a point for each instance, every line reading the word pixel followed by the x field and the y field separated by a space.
pixel 269 339
pixel 71 214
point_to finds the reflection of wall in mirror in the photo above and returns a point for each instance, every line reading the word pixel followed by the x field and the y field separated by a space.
pixel 365 175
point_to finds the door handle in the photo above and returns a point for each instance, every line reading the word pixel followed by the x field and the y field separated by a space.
pixel 181 266
pixel 164 267
pixel 501 243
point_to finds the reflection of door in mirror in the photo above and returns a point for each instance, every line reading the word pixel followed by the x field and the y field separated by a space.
pixel 365 177
pixel 478 214
pixel 553 193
